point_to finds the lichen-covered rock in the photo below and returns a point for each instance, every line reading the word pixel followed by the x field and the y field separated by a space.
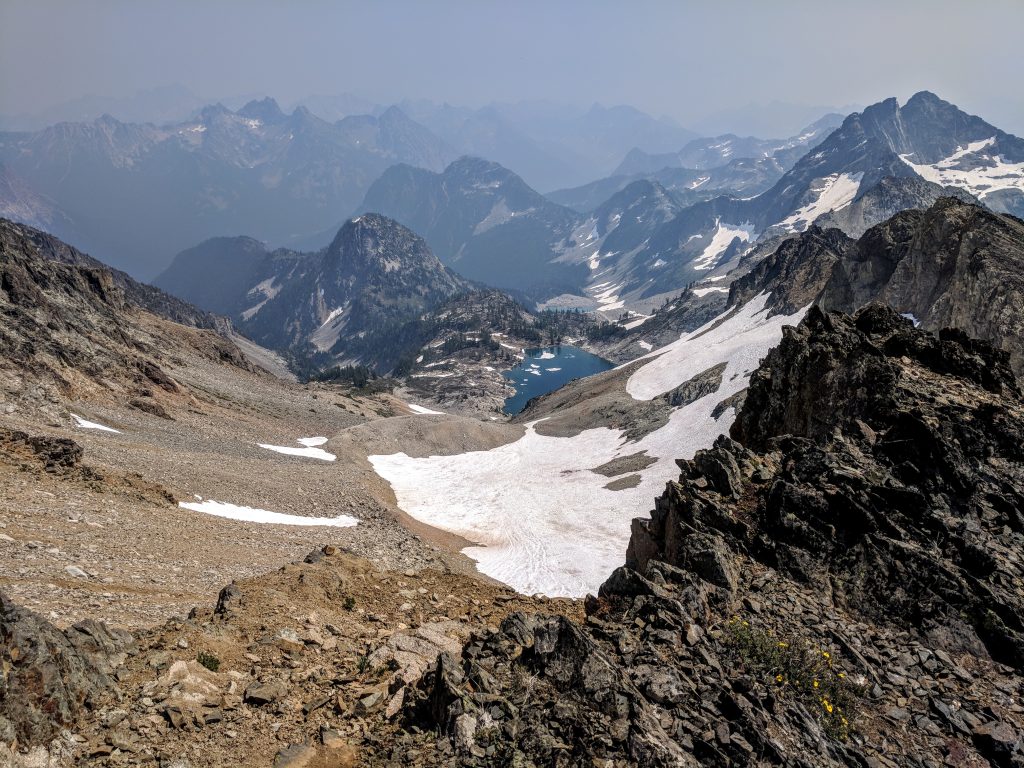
pixel 49 675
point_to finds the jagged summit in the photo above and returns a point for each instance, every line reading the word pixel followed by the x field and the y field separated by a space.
pixel 374 243
pixel 266 109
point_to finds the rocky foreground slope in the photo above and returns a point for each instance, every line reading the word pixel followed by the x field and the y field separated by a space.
pixel 838 583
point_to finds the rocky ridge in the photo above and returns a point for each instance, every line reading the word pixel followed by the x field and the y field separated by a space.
pixel 70 328
pixel 818 596
pixel 954 264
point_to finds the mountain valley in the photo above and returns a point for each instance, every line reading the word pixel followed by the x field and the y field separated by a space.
pixel 472 426
pixel 371 661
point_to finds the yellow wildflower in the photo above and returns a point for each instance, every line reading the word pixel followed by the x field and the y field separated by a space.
pixel 778 678
pixel 826 654
pixel 815 683
pixel 783 645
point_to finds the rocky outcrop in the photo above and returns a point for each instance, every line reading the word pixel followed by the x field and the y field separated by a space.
pixel 915 511
pixel 141 295
pixel 73 326
pixel 50 676
pixel 795 272
pixel 835 584
pixel 954 265
pixel 887 198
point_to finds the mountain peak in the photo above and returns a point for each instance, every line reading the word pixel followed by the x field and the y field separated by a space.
pixel 301 114
pixel 369 221
pixel 266 109
pixel 879 111
pixel 925 97
pixel 374 226
pixel 394 114
pixel 474 163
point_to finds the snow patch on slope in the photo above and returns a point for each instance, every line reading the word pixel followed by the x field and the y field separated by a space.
pixel 724 235
pixel 972 169
pixel 423 410
pixel 251 515
pixel 542 520
pixel 499 214
pixel 83 424
pixel 836 192
pixel 308 450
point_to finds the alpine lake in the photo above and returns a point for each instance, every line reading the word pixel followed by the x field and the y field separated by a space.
pixel 545 369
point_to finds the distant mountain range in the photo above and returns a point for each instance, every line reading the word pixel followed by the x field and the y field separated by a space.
pixel 705 153
pixel 776 118
pixel 140 193
pixel 646 241
pixel 164 104
pixel 705 168
pixel 279 177
pixel 551 146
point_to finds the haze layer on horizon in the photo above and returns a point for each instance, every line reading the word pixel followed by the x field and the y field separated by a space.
pixel 692 61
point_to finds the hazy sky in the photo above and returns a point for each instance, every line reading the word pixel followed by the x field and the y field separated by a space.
pixel 684 59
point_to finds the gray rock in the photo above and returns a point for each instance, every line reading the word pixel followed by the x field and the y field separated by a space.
pixel 259 694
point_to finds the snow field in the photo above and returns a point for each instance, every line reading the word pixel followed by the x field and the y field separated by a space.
pixel 541 519
pixel 837 192
pixel 994 176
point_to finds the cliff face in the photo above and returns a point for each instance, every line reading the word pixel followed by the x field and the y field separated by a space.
pixel 953 265
pixel 837 584
pixel 895 478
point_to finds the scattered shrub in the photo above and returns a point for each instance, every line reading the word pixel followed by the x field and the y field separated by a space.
pixel 208 660
pixel 796 667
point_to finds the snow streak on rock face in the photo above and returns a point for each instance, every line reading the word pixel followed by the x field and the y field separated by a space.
pixel 251 515
pixel 836 192
pixel 973 169
pixel 544 521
